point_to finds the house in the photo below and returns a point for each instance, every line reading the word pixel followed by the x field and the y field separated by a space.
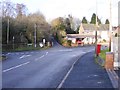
pixel 87 33
pixel 116 31
pixel 116 46
pixel 90 29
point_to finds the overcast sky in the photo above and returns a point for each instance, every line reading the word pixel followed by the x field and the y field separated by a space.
pixel 77 8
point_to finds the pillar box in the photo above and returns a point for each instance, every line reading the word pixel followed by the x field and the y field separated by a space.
pixel 98 49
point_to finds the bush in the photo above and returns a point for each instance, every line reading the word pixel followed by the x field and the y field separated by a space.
pixel 69 42
pixel 104 40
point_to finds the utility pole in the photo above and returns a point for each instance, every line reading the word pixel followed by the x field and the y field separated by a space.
pixel 8 31
pixel 110 27
pixel 35 26
pixel 96 30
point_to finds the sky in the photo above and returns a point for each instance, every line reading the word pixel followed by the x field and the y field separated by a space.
pixel 77 8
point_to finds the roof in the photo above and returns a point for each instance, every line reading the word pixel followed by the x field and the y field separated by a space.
pixel 93 27
pixel 80 36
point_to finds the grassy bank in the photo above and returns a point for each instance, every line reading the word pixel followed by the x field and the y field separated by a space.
pixel 101 58
pixel 103 53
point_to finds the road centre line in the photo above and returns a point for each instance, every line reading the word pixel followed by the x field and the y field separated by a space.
pixel 15 67
pixel 23 56
pixel 46 53
pixel 39 58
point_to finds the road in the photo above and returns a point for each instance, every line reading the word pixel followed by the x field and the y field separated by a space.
pixel 41 68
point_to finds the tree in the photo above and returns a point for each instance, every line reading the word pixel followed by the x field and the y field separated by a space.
pixel 93 19
pixel 20 10
pixel 8 9
pixel 57 24
pixel 42 27
pixel 84 20
pixel 107 21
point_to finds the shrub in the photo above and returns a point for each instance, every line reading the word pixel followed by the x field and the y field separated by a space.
pixel 69 42
pixel 104 40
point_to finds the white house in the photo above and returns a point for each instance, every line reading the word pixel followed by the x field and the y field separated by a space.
pixel 90 29
pixel 87 33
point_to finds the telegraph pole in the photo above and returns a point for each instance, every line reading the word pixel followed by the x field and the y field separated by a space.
pixel 8 31
pixel 110 27
pixel 35 26
pixel 96 30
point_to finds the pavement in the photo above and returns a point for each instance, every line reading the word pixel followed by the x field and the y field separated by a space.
pixel 86 73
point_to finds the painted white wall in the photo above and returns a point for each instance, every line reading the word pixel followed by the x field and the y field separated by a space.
pixel 72 39
pixel 104 35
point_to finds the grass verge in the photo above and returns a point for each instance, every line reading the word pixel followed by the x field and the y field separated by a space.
pixel 26 49
pixel 101 58
pixel 103 53
pixel 3 57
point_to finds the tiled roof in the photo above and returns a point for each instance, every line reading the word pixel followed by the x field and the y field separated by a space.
pixel 93 27
pixel 80 36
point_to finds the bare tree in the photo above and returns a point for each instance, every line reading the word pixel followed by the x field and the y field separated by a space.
pixel 8 8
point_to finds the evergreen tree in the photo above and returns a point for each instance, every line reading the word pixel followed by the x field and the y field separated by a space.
pixel 84 20
pixel 93 19
pixel 107 21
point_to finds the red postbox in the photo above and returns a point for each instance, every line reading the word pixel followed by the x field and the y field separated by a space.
pixel 98 49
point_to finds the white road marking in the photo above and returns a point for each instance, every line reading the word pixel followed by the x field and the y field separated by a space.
pixel 62 82
pixel 46 53
pixel 39 58
pixel 74 55
pixel 99 82
pixel 95 75
pixel 15 67
pixel 8 53
pixel 23 56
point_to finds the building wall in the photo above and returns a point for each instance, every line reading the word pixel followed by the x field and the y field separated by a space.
pixel 73 40
pixel 104 35
pixel 116 50
pixel 81 29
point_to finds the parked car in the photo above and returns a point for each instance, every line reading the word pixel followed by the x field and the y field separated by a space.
pixel 80 42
